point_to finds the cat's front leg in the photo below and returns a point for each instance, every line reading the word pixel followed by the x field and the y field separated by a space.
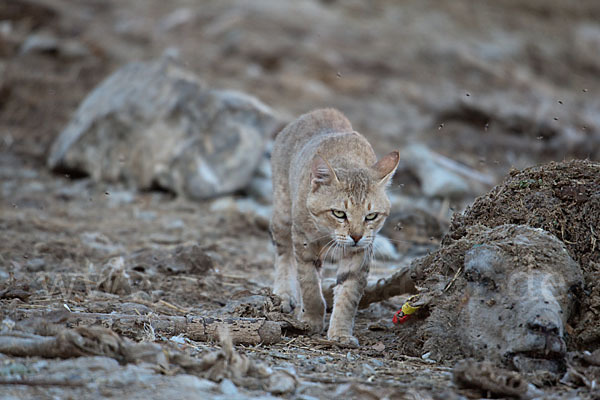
pixel 286 282
pixel 313 302
pixel 352 275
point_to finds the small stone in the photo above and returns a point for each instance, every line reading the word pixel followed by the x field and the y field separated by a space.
pixel 367 370
pixel 74 49
pixel 436 180
pixel 178 17
pixel 379 346
pixel 320 368
pixel 35 265
pixel 281 382
pixel 191 382
pixel 39 43
pixel 228 388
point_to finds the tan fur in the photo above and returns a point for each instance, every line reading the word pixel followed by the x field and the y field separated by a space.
pixel 319 165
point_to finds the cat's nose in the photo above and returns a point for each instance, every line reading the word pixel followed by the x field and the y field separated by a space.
pixel 356 238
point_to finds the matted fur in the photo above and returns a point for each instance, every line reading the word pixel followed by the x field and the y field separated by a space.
pixel 329 201
pixel 446 325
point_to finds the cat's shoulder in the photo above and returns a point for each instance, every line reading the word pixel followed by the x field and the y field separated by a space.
pixel 322 120
pixel 326 114
pixel 328 118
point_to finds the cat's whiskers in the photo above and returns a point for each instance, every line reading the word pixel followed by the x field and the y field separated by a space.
pixel 367 255
pixel 399 241
pixel 377 248
pixel 343 245
pixel 335 252
pixel 322 237
pixel 338 247
pixel 326 249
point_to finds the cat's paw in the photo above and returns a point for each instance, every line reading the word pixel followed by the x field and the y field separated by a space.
pixel 288 303
pixel 347 341
pixel 315 324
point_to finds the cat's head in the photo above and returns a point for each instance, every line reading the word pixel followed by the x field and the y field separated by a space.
pixel 349 205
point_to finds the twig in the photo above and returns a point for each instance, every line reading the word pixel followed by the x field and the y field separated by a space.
pixel 172 306
pixel 39 382
pixel 453 278
pixel 243 330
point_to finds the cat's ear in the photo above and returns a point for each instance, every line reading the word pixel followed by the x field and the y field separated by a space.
pixel 385 168
pixel 321 173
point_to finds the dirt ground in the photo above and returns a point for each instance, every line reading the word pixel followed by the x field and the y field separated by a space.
pixel 494 85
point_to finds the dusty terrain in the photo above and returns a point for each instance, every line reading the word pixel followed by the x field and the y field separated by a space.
pixel 493 85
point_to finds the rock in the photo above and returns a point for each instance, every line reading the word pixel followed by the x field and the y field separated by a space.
pixel 47 43
pixel 39 43
pixel 261 189
pixel 115 278
pixel 281 382
pixel 117 198
pixel 156 124
pixel 436 181
pixel 367 370
pixel 100 243
pixel 248 206
pixel 193 383
pixel 184 259
pixel 228 388
pixel 175 19
pixel 586 45
pixel 74 49
pixel 261 186
pixel 35 265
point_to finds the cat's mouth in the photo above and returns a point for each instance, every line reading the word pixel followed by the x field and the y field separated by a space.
pixel 356 247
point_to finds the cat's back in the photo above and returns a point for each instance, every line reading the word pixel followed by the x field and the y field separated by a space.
pixel 308 127
pixel 325 131
pixel 302 137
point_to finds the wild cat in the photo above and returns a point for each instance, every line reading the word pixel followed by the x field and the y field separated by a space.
pixel 329 199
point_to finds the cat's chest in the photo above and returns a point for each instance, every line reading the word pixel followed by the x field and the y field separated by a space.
pixel 324 249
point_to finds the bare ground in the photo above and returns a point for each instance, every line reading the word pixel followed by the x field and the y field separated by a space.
pixel 58 231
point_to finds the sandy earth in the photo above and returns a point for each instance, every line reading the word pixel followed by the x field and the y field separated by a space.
pixel 493 85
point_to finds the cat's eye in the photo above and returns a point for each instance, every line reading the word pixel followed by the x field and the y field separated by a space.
pixel 371 217
pixel 339 214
